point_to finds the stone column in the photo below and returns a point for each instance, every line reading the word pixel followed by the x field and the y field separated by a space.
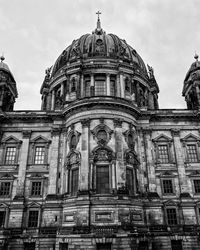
pixel 23 162
pixel 120 167
pixel 118 88
pixel 197 84
pixel 92 87
pixel 122 85
pixel 82 86
pixel 84 169
pixel 180 161
pixel 53 100
pixel 149 161
pixel 67 89
pixel 108 84
pixel 54 158
pixel 62 89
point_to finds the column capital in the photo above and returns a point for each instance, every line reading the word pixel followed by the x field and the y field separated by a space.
pixel 118 122
pixel 175 132
pixel 26 134
pixel 55 131
pixel 85 122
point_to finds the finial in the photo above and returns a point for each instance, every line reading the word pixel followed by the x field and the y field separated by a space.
pixel 2 58
pixel 98 20
pixel 196 56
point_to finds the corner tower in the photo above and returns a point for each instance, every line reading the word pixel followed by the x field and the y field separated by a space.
pixel 8 90
pixel 191 88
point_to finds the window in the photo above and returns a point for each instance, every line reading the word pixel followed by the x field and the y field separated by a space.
pixel 63 246
pixel 171 216
pixel 73 84
pixel 74 182
pixel 29 246
pixel 33 218
pixel 5 188
pixel 2 218
pixel 163 155
pixel 192 153
pixel 130 180
pixel 167 186
pixel 36 188
pixel 143 245
pixel 102 179
pixel 196 186
pixel 127 85
pixel 103 246
pixel 39 155
pixel 176 245
pixel 87 88
pixel 112 88
pixel 10 155
pixel 100 88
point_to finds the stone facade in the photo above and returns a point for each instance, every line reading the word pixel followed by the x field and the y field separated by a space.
pixel 100 166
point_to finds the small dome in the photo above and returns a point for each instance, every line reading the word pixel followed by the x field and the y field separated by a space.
pixel 99 44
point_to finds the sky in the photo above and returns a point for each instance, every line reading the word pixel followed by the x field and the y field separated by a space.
pixel 165 33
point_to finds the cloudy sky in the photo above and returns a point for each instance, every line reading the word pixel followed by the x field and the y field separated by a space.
pixel 164 32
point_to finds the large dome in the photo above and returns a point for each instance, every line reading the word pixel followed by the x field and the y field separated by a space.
pixel 99 44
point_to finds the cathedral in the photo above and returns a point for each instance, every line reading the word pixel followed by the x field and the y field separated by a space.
pixel 100 166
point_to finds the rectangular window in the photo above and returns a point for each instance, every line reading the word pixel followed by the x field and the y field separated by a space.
pixel 100 88
pixel 87 88
pixel 167 187
pixel 171 216
pixel 197 186
pixel 36 188
pixel 176 245
pixel 143 245
pixel 74 183
pixel 102 179
pixel 39 155
pixel 2 218
pixel 29 246
pixel 129 180
pixel 103 246
pixel 5 188
pixel 192 153
pixel 10 155
pixel 112 88
pixel 163 155
pixel 33 218
pixel 63 246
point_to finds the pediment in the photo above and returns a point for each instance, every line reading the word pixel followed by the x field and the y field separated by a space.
pixel 7 177
pixel 167 174
pixel 190 137
pixel 33 205
pixel 40 139
pixel 170 203
pixel 3 205
pixel 162 138
pixel 11 140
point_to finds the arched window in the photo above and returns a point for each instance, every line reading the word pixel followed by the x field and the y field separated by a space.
pixel 103 170
pixel 73 173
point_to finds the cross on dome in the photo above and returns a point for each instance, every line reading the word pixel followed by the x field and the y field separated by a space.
pixel 98 29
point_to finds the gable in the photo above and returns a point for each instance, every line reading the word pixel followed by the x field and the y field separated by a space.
pixel 11 140
pixel 190 137
pixel 40 139
pixel 162 138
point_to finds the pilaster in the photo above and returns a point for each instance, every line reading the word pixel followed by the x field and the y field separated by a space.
pixel 26 134
pixel 179 160
pixel 108 84
pixel 54 161
pixel 84 169
pixel 120 167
